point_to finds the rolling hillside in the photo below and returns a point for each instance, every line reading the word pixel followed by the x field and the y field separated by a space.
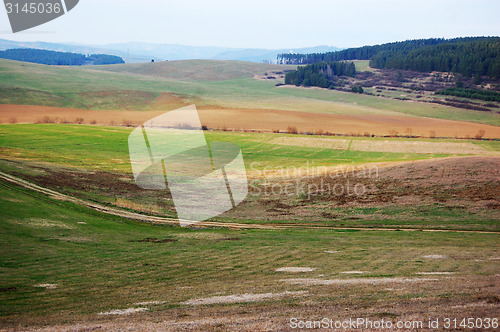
pixel 84 248
pixel 231 95
pixel 196 70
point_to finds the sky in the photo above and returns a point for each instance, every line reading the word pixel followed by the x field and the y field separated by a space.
pixel 268 24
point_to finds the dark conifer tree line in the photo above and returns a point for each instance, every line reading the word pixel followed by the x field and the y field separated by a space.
pixel 467 56
pixel 322 74
pixel 471 93
pixel 58 58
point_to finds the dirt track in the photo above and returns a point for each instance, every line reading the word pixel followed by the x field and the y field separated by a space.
pixel 267 120
pixel 173 221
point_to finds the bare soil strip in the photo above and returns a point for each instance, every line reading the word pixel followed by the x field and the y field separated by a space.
pixel 178 222
pixel 380 125
pixel 295 269
pixel 47 286
pixel 123 311
pixel 243 298
pixel 32 114
pixel 265 120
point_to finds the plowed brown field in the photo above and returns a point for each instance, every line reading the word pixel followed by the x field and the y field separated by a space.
pixel 267 120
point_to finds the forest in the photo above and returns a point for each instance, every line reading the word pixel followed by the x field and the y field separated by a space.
pixel 470 56
pixel 322 74
pixel 58 58
pixel 471 93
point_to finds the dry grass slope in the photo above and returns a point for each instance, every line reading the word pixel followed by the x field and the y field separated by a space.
pixel 196 70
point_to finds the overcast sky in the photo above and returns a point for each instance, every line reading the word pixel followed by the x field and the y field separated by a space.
pixel 264 23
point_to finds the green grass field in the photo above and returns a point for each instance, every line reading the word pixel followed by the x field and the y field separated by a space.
pixel 105 148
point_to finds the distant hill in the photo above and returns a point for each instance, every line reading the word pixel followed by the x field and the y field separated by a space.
pixel 136 52
pixel 467 56
pixel 73 48
pixel 196 70
pixel 58 58
pixel 265 55
pixel 169 52
pixel 182 52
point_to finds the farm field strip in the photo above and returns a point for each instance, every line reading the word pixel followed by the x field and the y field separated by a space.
pixel 240 119
pixel 105 148
pixel 383 146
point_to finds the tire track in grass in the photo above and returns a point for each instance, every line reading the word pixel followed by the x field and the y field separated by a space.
pixel 177 222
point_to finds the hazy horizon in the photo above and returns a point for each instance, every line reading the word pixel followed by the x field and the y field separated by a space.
pixel 262 24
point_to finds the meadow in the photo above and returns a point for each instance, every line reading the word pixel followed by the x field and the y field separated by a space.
pixel 421 241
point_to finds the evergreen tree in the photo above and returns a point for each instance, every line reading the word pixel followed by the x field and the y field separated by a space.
pixel 467 56
pixel 58 58
pixel 321 74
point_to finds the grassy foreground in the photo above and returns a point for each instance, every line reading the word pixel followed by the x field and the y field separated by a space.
pixel 61 263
